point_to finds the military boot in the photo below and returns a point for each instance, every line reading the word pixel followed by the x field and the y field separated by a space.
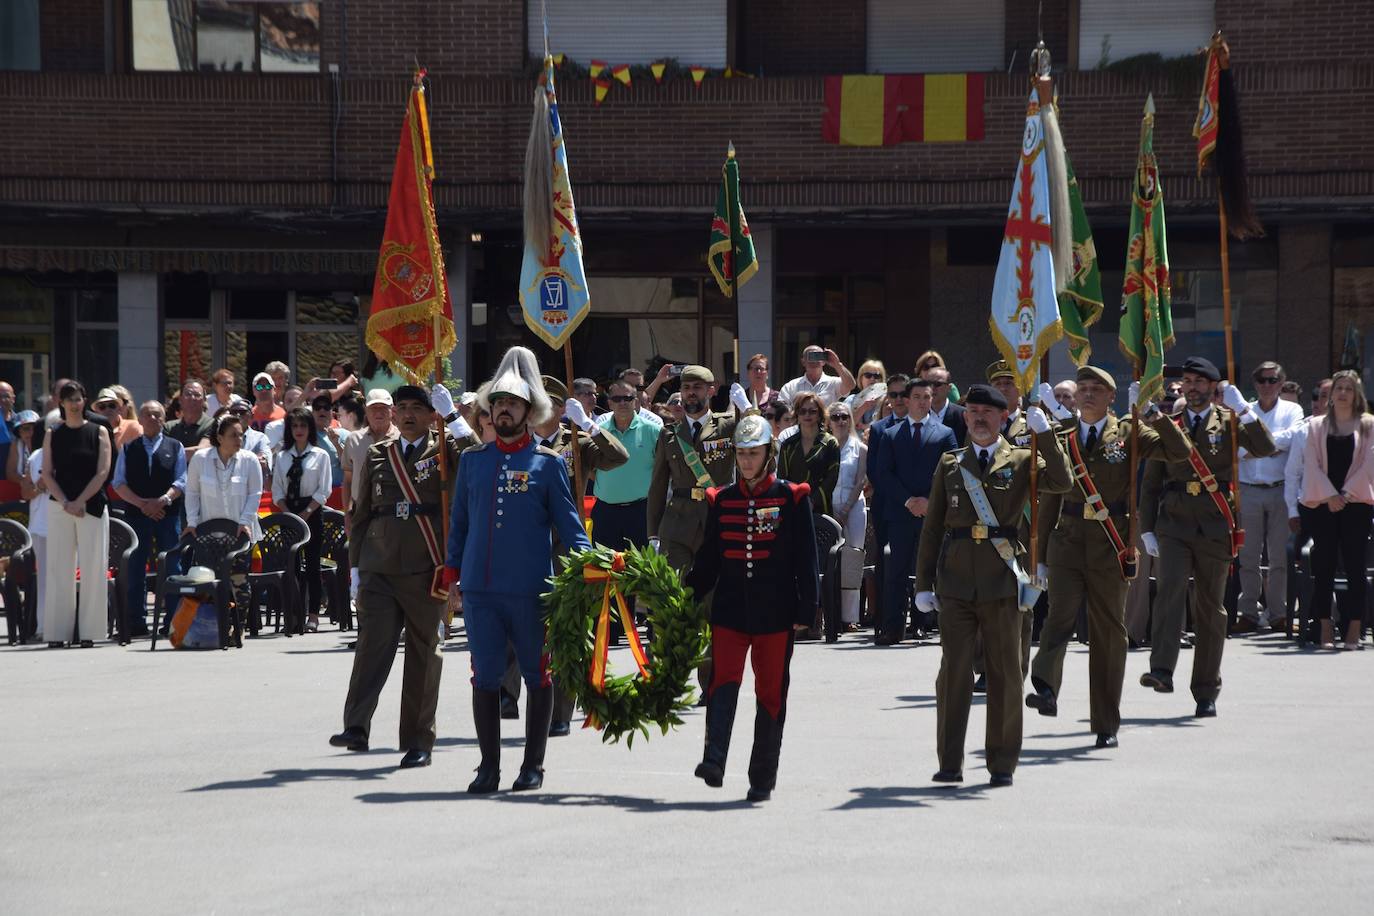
pixel 486 718
pixel 538 714
pixel 763 762
pixel 720 720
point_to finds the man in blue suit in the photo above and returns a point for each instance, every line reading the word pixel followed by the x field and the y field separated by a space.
pixel 896 399
pixel 909 454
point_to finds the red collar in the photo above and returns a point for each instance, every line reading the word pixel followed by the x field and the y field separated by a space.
pixel 517 445
pixel 764 485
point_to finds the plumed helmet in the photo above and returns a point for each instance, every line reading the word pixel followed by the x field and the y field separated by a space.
pixel 753 430
pixel 517 375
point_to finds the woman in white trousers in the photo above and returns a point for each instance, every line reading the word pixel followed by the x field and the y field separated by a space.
pixel 850 510
pixel 76 463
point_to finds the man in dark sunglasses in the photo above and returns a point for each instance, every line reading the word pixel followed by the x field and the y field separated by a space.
pixel 265 406
pixel 1263 510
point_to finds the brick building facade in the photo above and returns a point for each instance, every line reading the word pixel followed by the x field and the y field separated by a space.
pixel 158 223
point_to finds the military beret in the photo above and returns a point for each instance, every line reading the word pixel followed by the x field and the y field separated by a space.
pixel 1203 367
pixel 985 395
pixel 698 374
pixel 1000 369
pixel 554 388
pixel 1094 374
pixel 412 393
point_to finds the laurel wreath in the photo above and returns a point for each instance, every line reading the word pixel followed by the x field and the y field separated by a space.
pixel 630 703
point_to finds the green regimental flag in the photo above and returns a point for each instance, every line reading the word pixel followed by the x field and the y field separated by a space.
pixel 1147 325
pixel 728 261
pixel 1080 304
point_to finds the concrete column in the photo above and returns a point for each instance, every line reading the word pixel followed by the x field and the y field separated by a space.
pixel 756 300
pixel 460 294
pixel 1304 337
pixel 140 337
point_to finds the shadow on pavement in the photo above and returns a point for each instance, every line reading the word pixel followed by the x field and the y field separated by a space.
pixel 928 702
pixel 624 802
pixel 273 779
pixel 911 796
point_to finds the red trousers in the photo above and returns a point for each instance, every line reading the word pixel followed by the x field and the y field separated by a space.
pixel 770 653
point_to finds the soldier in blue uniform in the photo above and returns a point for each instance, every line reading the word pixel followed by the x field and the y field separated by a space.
pixel 508 496
pixel 759 554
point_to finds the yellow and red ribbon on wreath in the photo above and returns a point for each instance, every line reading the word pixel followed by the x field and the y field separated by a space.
pixel 596 674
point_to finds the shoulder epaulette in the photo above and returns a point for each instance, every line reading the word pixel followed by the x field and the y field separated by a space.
pixel 800 491
pixel 712 493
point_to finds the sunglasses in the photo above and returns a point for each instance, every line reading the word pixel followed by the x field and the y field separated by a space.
pixel 839 418
pixel 103 405
pixel 621 398
pixel 872 375
pixel 898 396
pixel 1267 379
pixel 808 412
pixel 939 384
pixel 263 386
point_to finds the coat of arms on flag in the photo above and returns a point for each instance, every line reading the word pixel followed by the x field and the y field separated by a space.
pixel 553 287
pixel 1025 313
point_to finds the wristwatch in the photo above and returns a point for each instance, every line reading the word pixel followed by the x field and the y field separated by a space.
pixel 453 415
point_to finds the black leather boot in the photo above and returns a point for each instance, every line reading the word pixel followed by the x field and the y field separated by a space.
pixel 763 762
pixel 720 720
pixel 538 714
pixel 486 718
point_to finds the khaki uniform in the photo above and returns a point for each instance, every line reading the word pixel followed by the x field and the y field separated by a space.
pixel 1083 564
pixel 978 593
pixel 396 572
pixel 677 516
pixel 1019 435
pixel 1194 541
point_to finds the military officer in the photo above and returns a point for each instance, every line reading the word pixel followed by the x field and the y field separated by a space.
pixel 1088 553
pixel 691 457
pixel 596 452
pixel 759 558
pixel 968 569
pixel 1195 532
pixel 509 495
pixel 396 545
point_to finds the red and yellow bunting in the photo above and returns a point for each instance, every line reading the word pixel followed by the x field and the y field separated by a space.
pixel 602 87
pixel 597 67
pixel 657 68
pixel 622 73
pixel 698 74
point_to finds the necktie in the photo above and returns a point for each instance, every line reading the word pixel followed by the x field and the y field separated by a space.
pixel 408 451
pixel 983 455
pixel 916 434
pixel 1092 439
pixel 696 430
pixel 1197 428
pixel 293 478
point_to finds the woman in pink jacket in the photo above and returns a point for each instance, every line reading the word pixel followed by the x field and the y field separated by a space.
pixel 1338 474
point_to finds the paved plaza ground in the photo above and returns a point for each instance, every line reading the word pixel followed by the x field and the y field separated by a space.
pixel 179 782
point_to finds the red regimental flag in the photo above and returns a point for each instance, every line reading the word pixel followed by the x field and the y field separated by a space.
pixel 1205 127
pixel 411 287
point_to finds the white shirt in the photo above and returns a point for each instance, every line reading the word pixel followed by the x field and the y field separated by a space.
pixel 1084 426
pixel 980 450
pixel 852 455
pixel 212 404
pixel 256 442
pixel 649 416
pixel 315 475
pixel 827 388
pixel 274 431
pixel 232 490
pixel 38 506
pixel 1281 421
pixel 1293 467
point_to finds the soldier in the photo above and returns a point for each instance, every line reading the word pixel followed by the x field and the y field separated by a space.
pixel 691 457
pixel 759 557
pixel 968 556
pixel 508 496
pixel 596 452
pixel 396 546
pixel 1195 533
pixel 1088 554
pixel 1014 430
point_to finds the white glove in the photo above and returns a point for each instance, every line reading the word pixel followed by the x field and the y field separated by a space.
pixel 1232 398
pixel 1047 402
pixel 1151 543
pixel 442 399
pixel 1132 394
pixel 1042 572
pixel 353 581
pixel 1036 420
pixel 738 397
pixel 459 427
pixel 655 545
pixel 927 603
pixel 574 411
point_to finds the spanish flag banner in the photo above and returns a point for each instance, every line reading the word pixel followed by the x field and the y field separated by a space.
pixel 553 285
pixel 410 300
pixel 917 108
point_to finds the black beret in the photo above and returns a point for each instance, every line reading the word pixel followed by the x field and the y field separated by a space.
pixel 412 393
pixel 985 395
pixel 1203 367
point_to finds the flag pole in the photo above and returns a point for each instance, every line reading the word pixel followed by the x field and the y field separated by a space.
pixel 1218 47
pixel 730 207
pixel 1044 92
pixel 1133 518
pixel 579 486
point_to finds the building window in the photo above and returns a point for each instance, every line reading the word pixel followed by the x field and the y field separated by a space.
pixel 19 35
pixel 240 36
pixel 933 36
pixel 1112 30
pixel 691 31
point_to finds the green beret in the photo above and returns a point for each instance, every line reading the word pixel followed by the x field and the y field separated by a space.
pixel 1094 374
pixel 554 388
pixel 698 374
